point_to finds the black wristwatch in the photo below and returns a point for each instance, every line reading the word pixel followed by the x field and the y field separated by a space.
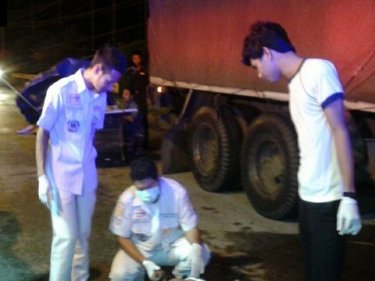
pixel 352 195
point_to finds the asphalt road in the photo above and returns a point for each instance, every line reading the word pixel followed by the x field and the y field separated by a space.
pixel 245 245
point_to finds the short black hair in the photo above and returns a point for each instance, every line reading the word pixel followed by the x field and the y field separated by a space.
pixel 137 52
pixel 142 168
pixel 265 34
pixel 111 58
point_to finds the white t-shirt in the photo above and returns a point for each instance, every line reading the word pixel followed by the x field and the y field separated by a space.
pixel 71 114
pixel 134 219
pixel 313 88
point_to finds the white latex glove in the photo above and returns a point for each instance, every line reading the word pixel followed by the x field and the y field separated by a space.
pixel 197 263
pixel 194 279
pixel 44 189
pixel 348 217
pixel 150 267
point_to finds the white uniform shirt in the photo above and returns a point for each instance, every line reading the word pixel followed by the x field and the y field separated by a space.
pixel 314 87
pixel 133 219
pixel 71 114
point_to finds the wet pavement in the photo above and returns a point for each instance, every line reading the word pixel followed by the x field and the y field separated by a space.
pixel 245 245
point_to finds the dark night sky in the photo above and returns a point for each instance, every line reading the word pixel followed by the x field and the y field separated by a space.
pixel 39 33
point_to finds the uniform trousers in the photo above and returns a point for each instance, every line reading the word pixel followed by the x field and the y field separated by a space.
pixel 71 216
pixel 124 268
pixel 323 248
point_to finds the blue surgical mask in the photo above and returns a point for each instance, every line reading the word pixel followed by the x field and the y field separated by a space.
pixel 148 195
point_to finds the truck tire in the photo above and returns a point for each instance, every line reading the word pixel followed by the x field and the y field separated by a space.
pixel 214 149
pixel 269 164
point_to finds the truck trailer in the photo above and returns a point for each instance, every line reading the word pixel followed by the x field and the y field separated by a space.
pixel 234 130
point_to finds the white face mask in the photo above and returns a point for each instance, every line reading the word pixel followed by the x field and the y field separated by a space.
pixel 148 195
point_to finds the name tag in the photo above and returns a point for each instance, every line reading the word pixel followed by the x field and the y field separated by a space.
pixel 168 215
pixel 74 100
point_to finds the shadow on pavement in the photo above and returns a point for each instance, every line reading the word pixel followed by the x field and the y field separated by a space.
pixel 94 275
pixel 11 266
pixel 42 277
pixel 277 257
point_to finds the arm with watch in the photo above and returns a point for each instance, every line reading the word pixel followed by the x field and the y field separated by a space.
pixel 348 216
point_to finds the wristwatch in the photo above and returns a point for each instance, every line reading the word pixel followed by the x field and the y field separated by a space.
pixel 352 195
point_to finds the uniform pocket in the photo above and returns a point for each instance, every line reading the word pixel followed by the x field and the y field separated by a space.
pixel 169 220
pixel 142 227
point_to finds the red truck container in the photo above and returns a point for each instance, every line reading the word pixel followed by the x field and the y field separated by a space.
pixel 234 129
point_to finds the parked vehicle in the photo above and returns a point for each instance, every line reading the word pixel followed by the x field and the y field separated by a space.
pixel 234 129
pixel 31 98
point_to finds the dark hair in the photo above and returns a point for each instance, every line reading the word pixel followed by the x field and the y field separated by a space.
pixel 265 34
pixel 137 52
pixel 143 168
pixel 110 58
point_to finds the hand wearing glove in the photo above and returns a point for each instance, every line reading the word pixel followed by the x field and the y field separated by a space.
pixel 348 218
pixel 44 189
pixel 150 267
pixel 197 263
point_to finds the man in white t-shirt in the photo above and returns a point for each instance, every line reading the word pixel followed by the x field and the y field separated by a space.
pixel 328 206
pixel 156 225
pixel 73 110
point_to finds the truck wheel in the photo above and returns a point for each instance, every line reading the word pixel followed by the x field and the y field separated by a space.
pixel 214 149
pixel 269 164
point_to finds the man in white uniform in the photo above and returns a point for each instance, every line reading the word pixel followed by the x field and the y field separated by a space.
pixel 328 206
pixel 156 225
pixel 74 108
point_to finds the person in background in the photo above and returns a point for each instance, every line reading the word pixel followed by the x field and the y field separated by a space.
pixel 136 79
pixel 156 225
pixel 133 130
pixel 328 203
pixel 30 128
pixel 73 110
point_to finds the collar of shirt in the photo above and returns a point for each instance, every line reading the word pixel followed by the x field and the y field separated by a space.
pixel 81 84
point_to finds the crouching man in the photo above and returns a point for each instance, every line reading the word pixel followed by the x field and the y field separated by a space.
pixel 156 226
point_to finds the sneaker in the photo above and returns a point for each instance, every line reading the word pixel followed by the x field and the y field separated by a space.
pixel 34 131
pixel 29 129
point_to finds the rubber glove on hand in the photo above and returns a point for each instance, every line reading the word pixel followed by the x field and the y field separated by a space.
pixel 348 218
pixel 43 189
pixel 150 267
pixel 197 263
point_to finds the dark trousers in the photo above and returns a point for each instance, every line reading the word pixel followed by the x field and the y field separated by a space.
pixel 322 247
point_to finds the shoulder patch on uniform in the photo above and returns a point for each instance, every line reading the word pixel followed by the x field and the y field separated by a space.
pixel 119 210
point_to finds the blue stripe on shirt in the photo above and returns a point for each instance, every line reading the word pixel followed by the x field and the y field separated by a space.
pixel 331 99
